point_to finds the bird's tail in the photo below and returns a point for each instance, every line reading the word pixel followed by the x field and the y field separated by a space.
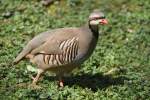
pixel 23 53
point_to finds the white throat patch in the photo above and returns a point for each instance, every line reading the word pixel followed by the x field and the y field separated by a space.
pixel 95 22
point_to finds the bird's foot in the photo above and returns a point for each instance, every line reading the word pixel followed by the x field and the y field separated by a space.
pixel 35 79
pixel 34 83
pixel 61 83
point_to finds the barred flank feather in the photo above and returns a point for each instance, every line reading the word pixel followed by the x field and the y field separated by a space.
pixel 70 50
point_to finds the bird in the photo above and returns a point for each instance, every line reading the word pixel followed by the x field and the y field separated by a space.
pixel 61 50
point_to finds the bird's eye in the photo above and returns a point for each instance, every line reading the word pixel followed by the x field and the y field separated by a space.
pixel 103 17
pixel 95 18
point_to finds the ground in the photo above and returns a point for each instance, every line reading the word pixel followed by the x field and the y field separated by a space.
pixel 118 69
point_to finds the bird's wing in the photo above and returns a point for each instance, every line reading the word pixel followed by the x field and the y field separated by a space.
pixel 53 43
pixel 47 42
pixel 51 46
pixel 32 44
pixel 69 51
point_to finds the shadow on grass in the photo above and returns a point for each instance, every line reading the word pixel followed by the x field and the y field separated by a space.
pixel 93 82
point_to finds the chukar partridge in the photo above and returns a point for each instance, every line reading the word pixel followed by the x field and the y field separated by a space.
pixel 61 50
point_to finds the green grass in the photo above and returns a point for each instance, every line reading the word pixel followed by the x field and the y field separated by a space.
pixel 118 69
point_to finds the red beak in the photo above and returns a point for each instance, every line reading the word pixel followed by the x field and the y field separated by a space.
pixel 103 21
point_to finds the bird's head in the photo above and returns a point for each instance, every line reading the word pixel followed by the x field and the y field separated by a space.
pixel 97 18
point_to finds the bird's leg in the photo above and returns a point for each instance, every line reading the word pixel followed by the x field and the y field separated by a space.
pixel 35 79
pixel 60 80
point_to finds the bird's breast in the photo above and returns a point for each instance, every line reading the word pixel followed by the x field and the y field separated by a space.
pixel 86 48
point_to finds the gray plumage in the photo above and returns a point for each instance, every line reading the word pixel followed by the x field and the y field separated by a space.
pixel 61 50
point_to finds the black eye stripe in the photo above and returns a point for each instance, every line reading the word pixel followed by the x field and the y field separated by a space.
pixel 95 18
pixel 102 17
